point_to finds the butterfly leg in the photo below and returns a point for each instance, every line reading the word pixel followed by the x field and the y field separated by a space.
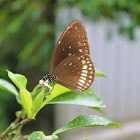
pixel 45 83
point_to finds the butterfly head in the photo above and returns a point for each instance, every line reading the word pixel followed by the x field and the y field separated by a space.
pixel 48 78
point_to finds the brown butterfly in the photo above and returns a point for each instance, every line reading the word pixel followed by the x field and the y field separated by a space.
pixel 71 65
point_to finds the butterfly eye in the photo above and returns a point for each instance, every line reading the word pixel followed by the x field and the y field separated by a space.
pixel 71 60
pixel 44 78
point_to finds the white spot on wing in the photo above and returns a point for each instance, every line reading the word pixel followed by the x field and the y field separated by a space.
pixel 90 81
pixel 84 71
pixel 59 42
pixel 70 64
pixel 90 76
pixel 82 81
pixel 84 74
pixel 80 50
pixel 79 87
pixel 69 54
pixel 85 66
pixel 80 84
pixel 84 78
pixel 83 61
pixel 82 56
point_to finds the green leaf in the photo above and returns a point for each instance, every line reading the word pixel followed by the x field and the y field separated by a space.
pixel 87 98
pixel 26 101
pixel 37 104
pixel 98 73
pixel 18 98
pixel 57 90
pixel 5 85
pixel 39 135
pixel 87 121
pixel 19 80
pixel 37 90
pixel 18 113
pixel 99 109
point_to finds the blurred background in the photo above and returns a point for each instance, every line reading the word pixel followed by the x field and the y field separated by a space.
pixel 29 31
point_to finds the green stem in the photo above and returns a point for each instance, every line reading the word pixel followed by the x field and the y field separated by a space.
pixel 11 129
pixel 4 134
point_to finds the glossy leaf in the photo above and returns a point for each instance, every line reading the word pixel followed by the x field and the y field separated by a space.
pixel 37 90
pixel 18 113
pixel 99 109
pixel 39 135
pixel 5 85
pixel 26 101
pixel 57 90
pixel 19 80
pixel 101 74
pixel 87 121
pixel 37 104
pixel 87 98
pixel 18 98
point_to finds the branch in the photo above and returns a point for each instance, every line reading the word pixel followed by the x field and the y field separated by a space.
pixel 10 129
pixel 19 117
pixel 19 128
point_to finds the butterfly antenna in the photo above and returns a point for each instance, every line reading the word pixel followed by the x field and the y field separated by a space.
pixel 34 80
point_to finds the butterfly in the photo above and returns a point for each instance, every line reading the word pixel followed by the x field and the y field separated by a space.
pixel 71 65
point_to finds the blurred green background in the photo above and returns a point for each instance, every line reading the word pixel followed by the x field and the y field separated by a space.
pixel 27 40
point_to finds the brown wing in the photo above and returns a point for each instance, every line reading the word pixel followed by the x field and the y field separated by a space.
pixel 73 40
pixel 76 72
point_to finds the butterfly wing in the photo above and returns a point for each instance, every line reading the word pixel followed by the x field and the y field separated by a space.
pixel 73 41
pixel 76 72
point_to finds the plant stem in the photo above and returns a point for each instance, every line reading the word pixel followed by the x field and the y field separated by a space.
pixel 19 128
pixel 10 129
pixel 19 117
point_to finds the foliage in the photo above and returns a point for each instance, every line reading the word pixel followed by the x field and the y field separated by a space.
pixel 27 31
pixel 114 10
pixel 33 102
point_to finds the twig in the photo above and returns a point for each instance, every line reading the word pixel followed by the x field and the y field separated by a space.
pixel 19 128
pixel 19 117
pixel 10 129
